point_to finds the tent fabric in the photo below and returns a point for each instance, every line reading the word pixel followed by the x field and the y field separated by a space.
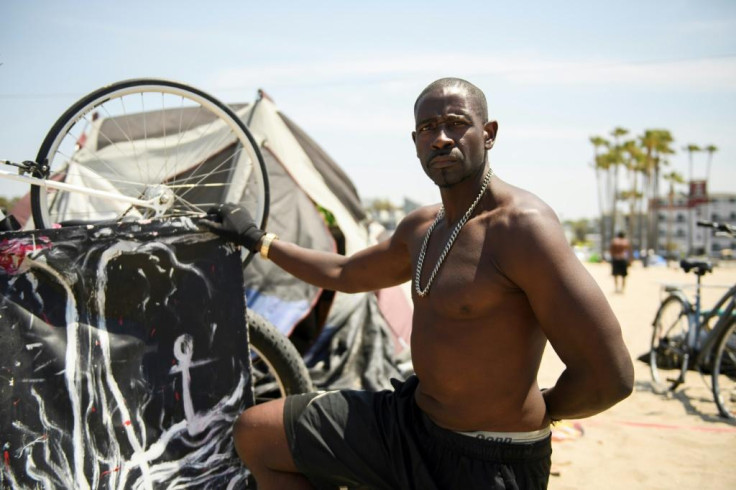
pixel 357 347
pixel 293 217
pixel 338 181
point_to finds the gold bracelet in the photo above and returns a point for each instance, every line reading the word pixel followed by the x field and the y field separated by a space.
pixel 266 243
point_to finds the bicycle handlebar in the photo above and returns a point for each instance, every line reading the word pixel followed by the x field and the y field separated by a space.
pixel 722 227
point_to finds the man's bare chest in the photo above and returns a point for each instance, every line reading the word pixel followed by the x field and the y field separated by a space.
pixel 467 282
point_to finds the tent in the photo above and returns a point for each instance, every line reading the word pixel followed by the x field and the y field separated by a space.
pixel 348 340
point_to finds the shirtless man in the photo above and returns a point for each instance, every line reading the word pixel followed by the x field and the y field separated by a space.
pixel 620 250
pixel 473 416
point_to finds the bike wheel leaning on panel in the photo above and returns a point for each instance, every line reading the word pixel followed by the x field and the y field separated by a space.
pixel 163 143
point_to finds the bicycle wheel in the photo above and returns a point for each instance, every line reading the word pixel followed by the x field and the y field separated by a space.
pixel 278 369
pixel 724 372
pixel 669 339
pixel 171 145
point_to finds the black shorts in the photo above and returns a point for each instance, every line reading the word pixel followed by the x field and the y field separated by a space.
pixel 619 267
pixel 382 440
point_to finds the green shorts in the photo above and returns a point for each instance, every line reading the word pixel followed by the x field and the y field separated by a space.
pixel 382 440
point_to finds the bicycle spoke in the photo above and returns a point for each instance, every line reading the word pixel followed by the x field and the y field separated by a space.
pixel 153 139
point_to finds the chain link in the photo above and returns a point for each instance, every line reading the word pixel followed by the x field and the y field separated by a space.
pixel 420 262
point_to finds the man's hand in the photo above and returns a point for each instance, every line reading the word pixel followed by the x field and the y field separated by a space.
pixel 234 223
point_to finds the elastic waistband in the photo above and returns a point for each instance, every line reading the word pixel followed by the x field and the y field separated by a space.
pixel 509 437
pixel 489 449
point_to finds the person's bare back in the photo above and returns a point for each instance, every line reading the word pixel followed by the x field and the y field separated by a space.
pixel 620 248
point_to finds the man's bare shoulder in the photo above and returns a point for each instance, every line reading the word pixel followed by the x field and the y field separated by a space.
pixel 520 211
pixel 417 220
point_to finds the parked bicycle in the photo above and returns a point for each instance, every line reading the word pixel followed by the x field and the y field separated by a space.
pixel 686 336
pixel 151 148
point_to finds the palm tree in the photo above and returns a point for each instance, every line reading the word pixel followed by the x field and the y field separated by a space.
pixel 635 163
pixel 710 149
pixel 673 178
pixel 690 149
pixel 601 167
pixel 656 144
pixel 616 160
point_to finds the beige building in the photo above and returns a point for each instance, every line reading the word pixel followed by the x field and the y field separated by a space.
pixel 678 230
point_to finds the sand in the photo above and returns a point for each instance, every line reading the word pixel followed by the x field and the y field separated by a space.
pixel 648 441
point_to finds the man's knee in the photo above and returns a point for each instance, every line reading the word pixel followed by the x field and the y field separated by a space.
pixel 257 428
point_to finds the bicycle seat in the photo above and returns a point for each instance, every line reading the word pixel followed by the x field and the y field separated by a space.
pixel 701 267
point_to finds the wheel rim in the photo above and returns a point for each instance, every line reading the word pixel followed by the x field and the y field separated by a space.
pixel 267 385
pixel 670 332
pixel 136 140
pixel 724 375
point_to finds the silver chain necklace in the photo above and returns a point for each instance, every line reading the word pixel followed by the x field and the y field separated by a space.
pixel 423 292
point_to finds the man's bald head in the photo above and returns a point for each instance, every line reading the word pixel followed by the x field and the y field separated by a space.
pixel 475 95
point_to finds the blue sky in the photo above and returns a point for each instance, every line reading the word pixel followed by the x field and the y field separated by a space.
pixel 554 73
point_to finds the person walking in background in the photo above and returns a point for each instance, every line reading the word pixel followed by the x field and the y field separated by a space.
pixel 494 280
pixel 620 259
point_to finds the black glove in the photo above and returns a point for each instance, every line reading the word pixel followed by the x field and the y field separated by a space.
pixel 235 224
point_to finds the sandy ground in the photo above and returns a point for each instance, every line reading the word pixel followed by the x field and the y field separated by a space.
pixel 648 441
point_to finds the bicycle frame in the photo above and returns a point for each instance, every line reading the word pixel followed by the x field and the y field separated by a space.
pixel 724 318
pixel 158 204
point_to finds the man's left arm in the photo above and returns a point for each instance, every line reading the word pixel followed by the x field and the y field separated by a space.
pixel 575 316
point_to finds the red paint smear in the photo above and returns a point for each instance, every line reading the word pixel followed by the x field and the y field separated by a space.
pixel 16 401
pixel 176 395
pixel 13 252
pixel 7 459
pixel 93 410
pixel 153 332
pixel 127 422
pixel 107 472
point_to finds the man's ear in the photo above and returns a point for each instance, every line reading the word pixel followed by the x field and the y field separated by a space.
pixel 490 130
pixel 414 136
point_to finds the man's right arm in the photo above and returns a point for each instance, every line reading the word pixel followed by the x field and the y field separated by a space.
pixel 382 265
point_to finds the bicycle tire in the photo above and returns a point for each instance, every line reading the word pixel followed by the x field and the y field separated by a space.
pixel 278 368
pixel 724 372
pixel 668 343
pixel 149 138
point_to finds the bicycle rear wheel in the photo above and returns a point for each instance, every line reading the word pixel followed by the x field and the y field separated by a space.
pixel 724 372
pixel 153 140
pixel 668 345
pixel 278 369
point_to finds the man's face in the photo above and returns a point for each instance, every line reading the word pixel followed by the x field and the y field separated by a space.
pixel 450 137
